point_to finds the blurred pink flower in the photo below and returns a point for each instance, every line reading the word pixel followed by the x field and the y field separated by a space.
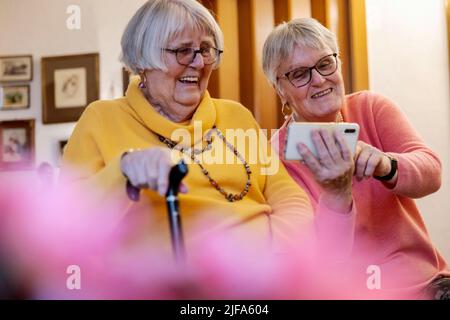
pixel 43 232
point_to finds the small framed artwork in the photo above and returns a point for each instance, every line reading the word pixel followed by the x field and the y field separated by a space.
pixel 17 145
pixel 69 84
pixel 14 97
pixel 16 68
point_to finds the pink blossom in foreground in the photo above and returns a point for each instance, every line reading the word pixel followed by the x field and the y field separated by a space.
pixel 44 231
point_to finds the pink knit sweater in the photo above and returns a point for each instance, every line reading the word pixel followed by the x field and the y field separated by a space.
pixel 389 228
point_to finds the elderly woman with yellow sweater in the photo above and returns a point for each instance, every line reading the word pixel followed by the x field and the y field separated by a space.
pixel 173 45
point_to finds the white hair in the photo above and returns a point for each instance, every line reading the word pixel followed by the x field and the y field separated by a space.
pixel 304 32
pixel 156 23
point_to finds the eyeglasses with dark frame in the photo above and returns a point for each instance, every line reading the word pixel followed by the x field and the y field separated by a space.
pixel 300 77
pixel 185 56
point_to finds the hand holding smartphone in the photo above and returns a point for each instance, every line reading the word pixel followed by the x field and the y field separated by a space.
pixel 301 132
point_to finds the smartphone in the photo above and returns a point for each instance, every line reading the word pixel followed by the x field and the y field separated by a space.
pixel 301 132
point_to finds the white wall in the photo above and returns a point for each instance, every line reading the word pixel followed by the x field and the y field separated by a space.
pixel 38 27
pixel 408 61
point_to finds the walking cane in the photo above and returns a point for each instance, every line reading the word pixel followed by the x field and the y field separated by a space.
pixel 177 173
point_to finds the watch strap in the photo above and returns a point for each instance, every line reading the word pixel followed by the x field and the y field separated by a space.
pixel 391 174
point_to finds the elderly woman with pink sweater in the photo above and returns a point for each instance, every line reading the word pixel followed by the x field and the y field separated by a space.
pixel 391 166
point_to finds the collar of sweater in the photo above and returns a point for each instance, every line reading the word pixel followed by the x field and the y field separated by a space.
pixel 204 117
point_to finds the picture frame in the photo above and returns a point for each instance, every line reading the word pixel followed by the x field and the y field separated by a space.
pixel 16 68
pixel 69 84
pixel 14 97
pixel 17 146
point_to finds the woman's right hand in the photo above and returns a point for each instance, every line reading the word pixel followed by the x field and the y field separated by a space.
pixel 149 168
pixel 333 169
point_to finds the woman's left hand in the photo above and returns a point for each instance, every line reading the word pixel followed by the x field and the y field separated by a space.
pixel 370 161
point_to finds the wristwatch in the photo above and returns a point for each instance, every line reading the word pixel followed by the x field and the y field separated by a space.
pixel 391 174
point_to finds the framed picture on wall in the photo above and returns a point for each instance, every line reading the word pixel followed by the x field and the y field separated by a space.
pixel 14 97
pixel 17 145
pixel 69 84
pixel 16 68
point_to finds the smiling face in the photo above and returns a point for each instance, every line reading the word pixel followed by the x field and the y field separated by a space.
pixel 322 98
pixel 179 90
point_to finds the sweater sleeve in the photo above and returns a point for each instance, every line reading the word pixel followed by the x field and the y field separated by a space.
pixel 419 168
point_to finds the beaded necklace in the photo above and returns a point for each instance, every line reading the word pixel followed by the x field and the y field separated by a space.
pixel 192 152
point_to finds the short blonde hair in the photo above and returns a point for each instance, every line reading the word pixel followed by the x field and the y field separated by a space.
pixel 156 23
pixel 304 32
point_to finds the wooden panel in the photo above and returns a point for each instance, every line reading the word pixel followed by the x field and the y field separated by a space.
pixel 300 9
pixel 246 24
pixel 358 45
pixel 286 10
pixel 224 82
pixel 228 73
pixel 319 11
pixel 338 22
pixel 336 16
pixel 282 12
pixel 344 39
pixel 246 50
pixel 213 85
pixel 265 95
pixel 256 21
pixel 281 9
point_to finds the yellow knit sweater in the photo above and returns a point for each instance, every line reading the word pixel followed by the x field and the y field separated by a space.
pixel 275 208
